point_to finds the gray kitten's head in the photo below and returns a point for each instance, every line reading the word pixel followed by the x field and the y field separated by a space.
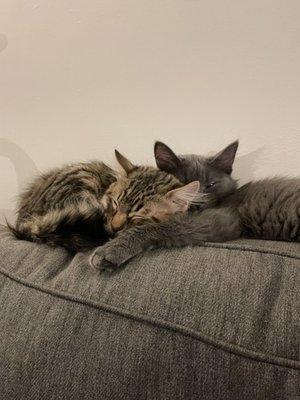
pixel 213 173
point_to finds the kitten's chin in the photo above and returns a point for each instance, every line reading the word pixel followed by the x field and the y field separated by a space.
pixel 109 231
pixel 209 200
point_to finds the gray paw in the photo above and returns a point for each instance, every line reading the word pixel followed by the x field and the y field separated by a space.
pixel 114 254
pixel 109 257
pixel 99 261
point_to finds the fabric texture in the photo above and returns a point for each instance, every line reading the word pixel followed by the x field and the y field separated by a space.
pixel 220 321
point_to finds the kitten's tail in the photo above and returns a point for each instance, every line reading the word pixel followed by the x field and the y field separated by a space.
pixel 18 233
pixel 55 229
pixel 73 242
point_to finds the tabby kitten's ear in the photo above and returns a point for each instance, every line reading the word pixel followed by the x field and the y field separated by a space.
pixel 124 162
pixel 225 158
pixel 185 196
pixel 166 159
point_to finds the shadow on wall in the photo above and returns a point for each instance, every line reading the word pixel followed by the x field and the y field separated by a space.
pixel 3 42
pixel 24 167
pixel 246 166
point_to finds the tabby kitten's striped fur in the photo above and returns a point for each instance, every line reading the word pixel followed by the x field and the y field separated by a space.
pixel 81 205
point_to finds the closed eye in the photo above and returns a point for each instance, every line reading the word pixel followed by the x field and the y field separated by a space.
pixel 115 203
pixel 112 205
pixel 137 218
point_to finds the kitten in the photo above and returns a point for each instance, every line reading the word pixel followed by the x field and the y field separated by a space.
pixel 266 209
pixel 213 173
pixel 81 205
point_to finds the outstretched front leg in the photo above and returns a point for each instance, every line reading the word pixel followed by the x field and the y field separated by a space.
pixel 118 251
pixel 214 225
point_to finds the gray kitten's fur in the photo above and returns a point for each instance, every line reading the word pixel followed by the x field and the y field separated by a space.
pixel 266 209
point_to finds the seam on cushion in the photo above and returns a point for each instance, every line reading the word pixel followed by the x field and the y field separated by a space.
pixel 227 347
pixel 243 247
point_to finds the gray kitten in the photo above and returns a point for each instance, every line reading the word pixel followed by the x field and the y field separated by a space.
pixel 266 209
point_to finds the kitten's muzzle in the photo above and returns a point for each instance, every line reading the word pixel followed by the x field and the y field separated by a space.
pixel 118 221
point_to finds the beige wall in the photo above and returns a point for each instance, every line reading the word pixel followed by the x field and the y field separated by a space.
pixel 79 78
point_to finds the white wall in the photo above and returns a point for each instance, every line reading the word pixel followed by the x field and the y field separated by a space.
pixel 79 78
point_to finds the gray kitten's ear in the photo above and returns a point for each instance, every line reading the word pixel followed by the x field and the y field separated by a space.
pixel 166 159
pixel 225 158
pixel 124 162
pixel 184 196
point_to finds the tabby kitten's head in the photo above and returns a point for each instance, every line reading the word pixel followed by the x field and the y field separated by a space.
pixel 144 194
pixel 213 173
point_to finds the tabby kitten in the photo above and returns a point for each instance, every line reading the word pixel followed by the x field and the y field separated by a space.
pixel 266 209
pixel 81 205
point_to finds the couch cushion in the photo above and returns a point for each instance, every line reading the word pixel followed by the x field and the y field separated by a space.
pixel 218 321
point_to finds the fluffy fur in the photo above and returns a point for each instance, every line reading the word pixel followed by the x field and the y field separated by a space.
pixel 81 205
pixel 266 209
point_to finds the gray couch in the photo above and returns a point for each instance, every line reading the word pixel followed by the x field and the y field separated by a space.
pixel 213 322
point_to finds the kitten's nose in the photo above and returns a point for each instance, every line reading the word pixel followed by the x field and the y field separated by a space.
pixel 118 221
